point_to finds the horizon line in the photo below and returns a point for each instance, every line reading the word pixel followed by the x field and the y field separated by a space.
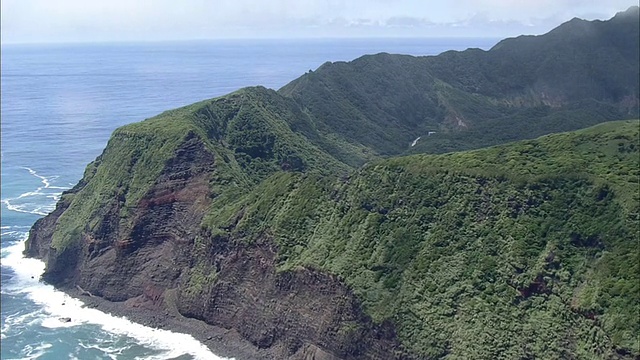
pixel 257 39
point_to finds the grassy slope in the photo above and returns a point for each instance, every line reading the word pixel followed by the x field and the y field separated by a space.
pixel 462 251
pixel 579 74
pixel 121 175
pixel 522 250
pixel 249 132
pixel 525 249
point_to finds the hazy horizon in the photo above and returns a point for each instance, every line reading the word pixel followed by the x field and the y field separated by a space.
pixel 262 40
pixel 74 21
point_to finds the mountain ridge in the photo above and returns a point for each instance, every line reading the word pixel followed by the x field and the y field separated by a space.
pixel 455 89
pixel 288 218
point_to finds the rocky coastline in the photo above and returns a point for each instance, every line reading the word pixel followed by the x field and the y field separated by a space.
pixel 225 343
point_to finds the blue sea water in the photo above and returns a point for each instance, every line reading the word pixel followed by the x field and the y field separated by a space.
pixel 60 104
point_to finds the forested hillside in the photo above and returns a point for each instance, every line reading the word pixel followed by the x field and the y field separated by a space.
pixel 299 220
pixel 523 250
pixel 577 75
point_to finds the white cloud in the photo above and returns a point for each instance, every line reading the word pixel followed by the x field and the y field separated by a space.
pixel 121 20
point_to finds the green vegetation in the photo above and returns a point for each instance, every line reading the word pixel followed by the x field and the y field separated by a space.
pixel 521 250
pixel 578 75
pixel 248 132
pixel 120 176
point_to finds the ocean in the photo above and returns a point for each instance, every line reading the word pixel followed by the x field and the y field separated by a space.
pixel 60 104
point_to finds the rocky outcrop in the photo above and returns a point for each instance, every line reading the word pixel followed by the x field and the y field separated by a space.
pixel 195 215
pixel 294 311
pixel 139 261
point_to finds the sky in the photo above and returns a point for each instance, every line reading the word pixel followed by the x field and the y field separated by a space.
pixel 60 21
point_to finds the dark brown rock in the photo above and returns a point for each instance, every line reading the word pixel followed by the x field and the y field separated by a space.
pixel 142 268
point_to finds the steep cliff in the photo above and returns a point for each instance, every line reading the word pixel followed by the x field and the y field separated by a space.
pixel 272 214
pixel 131 231
pixel 577 75
pixel 536 239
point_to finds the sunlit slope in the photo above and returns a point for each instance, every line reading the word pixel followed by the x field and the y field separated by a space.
pixel 522 250
pixel 577 75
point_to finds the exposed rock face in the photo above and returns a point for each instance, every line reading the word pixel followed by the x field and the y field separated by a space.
pixel 37 245
pixel 150 249
pixel 288 310
pixel 300 314
pixel 195 215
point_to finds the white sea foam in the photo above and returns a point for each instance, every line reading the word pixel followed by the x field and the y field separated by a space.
pixel 22 208
pixel 106 351
pixel 21 319
pixel 35 351
pixel 37 202
pixel 57 305
pixel 108 346
pixel 12 232
pixel 45 180
pixel 5 328
pixel 15 227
